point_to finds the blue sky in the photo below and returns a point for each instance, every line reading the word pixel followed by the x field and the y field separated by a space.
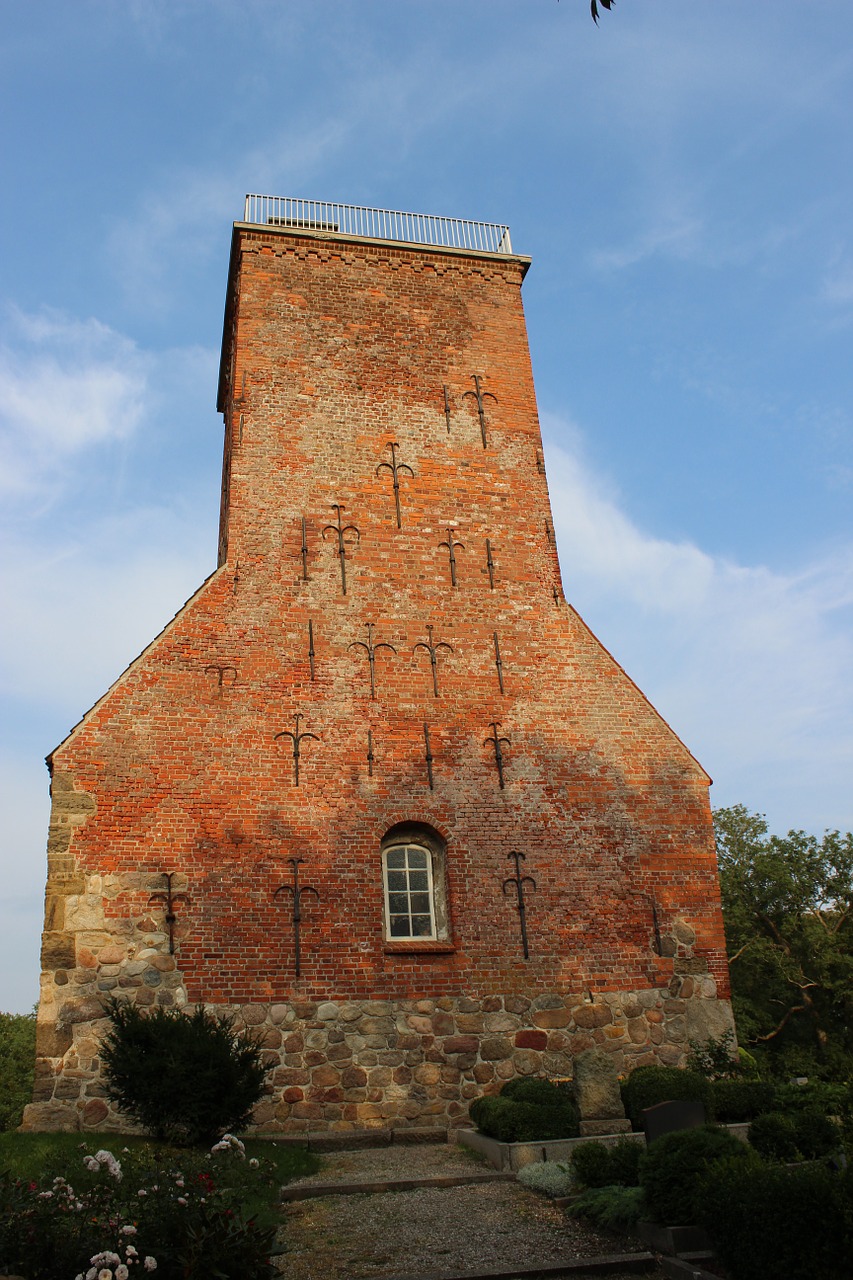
pixel 682 176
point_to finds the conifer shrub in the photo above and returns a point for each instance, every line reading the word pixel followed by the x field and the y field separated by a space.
pixel 672 1168
pixel 774 1136
pixel 647 1086
pixel 613 1208
pixel 185 1078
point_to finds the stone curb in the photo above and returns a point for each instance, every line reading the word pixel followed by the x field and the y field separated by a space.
pixel 357 1139
pixel 312 1191
pixel 603 1264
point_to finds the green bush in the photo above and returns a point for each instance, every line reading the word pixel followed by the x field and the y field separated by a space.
pixel 591 1163
pixel 774 1136
pixel 17 1066
pixel 818 1135
pixel 767 1222
pixel 185 1078
pixel 734 1101
pixel 614 1208
pixel 715 1058
pixel 809 1135
pixel 599 1165
pixel 817 1095
pixel 647 1086
pixel 672 1167
pixel 527 1111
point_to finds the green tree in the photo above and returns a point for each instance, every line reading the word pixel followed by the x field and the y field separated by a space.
pixel 788 909
pixel 17 1065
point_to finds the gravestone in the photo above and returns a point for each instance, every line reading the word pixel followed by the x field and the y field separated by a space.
pixel 667 1117
pixel 598 1096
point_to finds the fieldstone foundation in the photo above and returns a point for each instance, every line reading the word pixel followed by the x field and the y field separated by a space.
pixel 357 1064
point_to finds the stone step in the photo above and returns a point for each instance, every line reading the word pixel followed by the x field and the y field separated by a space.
pixel 313 1190
pixel 605 1264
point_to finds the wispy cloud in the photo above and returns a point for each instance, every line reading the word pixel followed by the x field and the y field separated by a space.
pixel 65 385
pixel 751 666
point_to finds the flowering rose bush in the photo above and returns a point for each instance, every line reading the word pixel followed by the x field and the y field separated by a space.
pixel 179 1214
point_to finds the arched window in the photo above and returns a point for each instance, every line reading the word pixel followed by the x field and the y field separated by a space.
pixel 413 881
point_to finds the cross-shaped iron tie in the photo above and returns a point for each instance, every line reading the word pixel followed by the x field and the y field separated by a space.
pixel 496 743
pixel 479 395
pixel 370 649
pixel 296 737
pixel 519 881
pixel 339 530
pixel 169 898
pixel 450 544
pixel 432 649
pixel 297 890
pixel 395 468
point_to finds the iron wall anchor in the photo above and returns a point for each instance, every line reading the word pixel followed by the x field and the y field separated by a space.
pixel 480 395
pixel 432 649
pixel 428 751
pixel 297 890
pixel 496 743
pixel 498 663
pixel 395 468
pixel 519 881
pixel 169 899
pixel 370 649
pixel 451 544
pixel 297 738
pixel 221 670
pixel 340 530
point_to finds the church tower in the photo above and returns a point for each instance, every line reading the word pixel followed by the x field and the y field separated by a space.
pixel 377 790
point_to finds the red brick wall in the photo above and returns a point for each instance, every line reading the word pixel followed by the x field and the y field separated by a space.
pixel 338 349
pixel 333 350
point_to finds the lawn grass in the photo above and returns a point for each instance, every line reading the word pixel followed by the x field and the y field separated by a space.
pixel 37 1155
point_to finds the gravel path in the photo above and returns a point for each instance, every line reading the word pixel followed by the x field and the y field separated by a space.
pixel 498 1224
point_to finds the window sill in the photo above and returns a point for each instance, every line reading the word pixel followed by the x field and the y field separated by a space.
pixel 419 946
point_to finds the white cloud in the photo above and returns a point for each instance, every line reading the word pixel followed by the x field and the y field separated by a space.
pixel 751 667
pixel 65 385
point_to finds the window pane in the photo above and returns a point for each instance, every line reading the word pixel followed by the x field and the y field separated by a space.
pixel 421 926
pixel 397 880
pixel 417 857
pixel 395 858
pixel 420 903
pixel 418 880
pixel 400 927
pixel 398 904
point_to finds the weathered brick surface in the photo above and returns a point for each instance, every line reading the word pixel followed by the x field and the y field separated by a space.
pixel 335 349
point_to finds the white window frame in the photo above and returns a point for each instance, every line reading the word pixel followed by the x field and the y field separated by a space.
pixel 429 855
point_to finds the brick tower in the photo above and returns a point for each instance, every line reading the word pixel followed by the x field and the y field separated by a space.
pixel 381 706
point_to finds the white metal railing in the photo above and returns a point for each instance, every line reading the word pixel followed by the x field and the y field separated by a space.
pixel 377 224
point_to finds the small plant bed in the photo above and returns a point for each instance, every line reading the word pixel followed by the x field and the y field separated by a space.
pixel 128 1206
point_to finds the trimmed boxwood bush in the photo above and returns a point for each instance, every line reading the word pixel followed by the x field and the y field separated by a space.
pixel 773 1136
pixel 599 1165
pixel 809 1135
pixel 527 1111
pixel 672 1168
pixel 735 1101
pixel 647 1086
pixel 766 1222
